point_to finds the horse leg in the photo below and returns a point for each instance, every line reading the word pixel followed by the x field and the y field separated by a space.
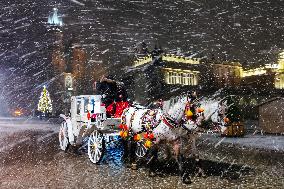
pixel 129 153
pixel 182 163
pixel 152 163
pixel 132 155
pixel 197 163
pixel 127 149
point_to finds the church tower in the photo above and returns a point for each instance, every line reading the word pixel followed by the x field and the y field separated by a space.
pixel 60 85
pixel 54 27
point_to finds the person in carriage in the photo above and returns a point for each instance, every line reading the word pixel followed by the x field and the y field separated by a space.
pixel 114 95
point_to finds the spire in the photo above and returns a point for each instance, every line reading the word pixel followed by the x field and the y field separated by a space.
pixel 54 18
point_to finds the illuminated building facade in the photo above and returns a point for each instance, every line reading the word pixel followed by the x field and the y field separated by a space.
pixel 180 76
pixel 162 74
pixel 279 76
pixel 270 76
pixel 226 73
pixel 169 72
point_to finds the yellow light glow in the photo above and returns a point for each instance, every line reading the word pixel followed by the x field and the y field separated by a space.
pixel 251 72
pixel 180 59
pixel 18 113
pixel 142 61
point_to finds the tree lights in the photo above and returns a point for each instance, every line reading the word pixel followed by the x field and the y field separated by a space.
pixel 44 104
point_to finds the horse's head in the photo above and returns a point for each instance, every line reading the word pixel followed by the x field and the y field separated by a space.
pixel 212 114
pixel 176 112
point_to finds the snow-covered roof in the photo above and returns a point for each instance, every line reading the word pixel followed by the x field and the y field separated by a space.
pixel 270 100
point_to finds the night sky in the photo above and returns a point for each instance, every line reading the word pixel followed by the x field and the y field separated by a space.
pixel 251 31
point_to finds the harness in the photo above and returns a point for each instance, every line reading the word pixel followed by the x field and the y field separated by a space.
pixel 149 120
pixel 170 122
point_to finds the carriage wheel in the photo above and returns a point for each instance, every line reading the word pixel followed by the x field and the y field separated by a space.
pixel 141 150
pixel 63 137
pixel 96 146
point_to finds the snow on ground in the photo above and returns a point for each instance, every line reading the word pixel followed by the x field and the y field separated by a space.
pixel 266 142
pixel 9 126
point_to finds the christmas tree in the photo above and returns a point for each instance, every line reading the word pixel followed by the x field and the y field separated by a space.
pixel 233 112
pixel 44 104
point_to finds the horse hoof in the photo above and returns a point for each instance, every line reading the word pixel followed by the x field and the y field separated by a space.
pixel 201 173
pixel 128 165
pixel 76 150
pixel 152 174
pixel 186 179
pixel 134 166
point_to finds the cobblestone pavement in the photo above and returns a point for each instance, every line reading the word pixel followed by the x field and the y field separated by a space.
pixel 37 162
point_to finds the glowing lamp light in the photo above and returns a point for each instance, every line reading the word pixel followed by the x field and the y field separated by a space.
pixel 18 113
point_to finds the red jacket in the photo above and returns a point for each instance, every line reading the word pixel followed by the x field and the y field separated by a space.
pixel 116 108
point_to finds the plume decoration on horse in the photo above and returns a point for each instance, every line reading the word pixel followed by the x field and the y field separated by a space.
pixel 152 125
pixel 149 120
pixel 124 132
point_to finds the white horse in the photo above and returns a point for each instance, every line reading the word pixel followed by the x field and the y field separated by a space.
pixel 166 127
pixel 216 109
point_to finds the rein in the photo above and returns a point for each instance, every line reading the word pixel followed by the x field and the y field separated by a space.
pixel 169 122
pixel 172 123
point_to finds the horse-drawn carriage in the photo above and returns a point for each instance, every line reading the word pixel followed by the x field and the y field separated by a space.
pixel 88 120
pixel 148 128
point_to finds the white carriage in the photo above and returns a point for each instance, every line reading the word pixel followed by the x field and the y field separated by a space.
pixel 88 119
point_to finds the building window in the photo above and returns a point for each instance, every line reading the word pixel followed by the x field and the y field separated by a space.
pixel 78 107
pixel 178 77
pixel 279 81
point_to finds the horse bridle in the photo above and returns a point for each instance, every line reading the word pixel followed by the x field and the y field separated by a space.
pixel 170 122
